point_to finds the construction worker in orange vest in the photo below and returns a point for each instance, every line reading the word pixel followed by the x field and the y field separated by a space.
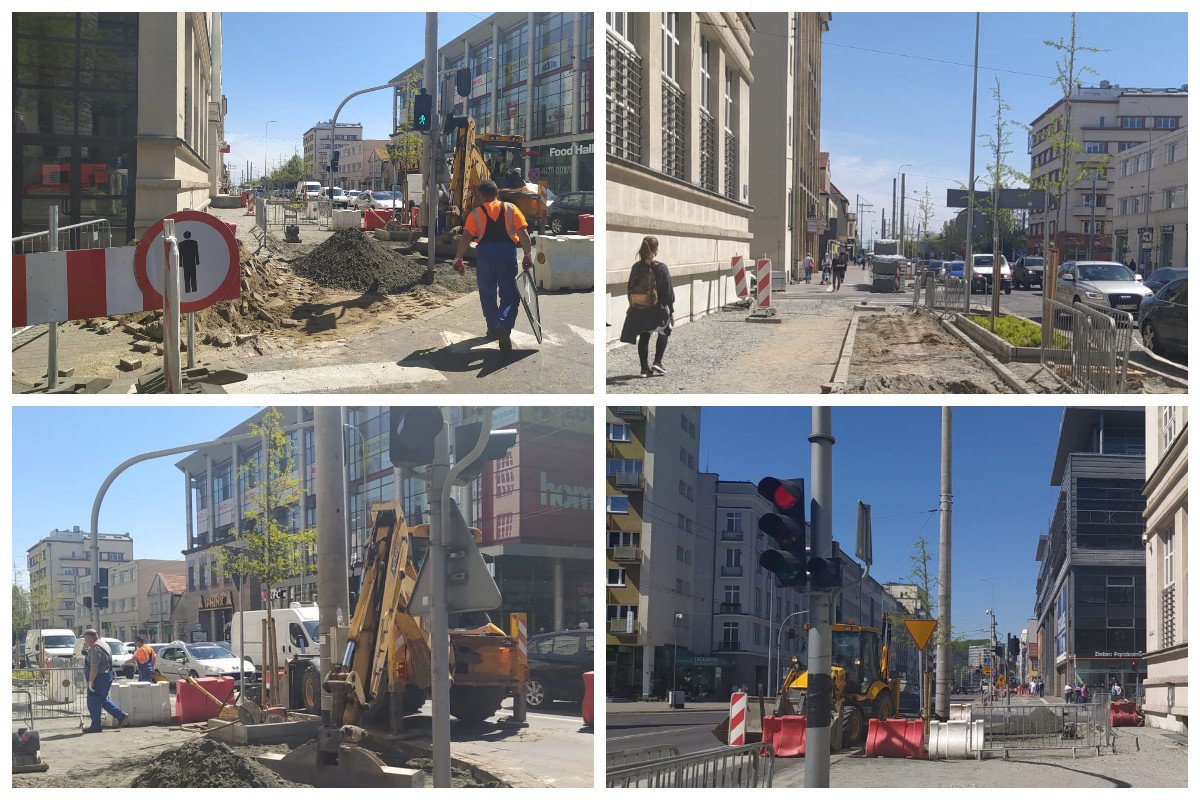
pixel 499 228
pixel 143 656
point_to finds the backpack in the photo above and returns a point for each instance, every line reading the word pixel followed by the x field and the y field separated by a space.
pixel 643 286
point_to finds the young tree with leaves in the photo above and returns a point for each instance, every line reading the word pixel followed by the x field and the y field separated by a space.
pixel 269 550
pixel 22 615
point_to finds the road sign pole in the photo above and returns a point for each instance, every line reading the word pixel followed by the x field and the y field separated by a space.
pixel 332 588
pixel 171 369
pixel 818 702
pixel 943 641
pixel 431 170
pixel 52 328
pixel 439 628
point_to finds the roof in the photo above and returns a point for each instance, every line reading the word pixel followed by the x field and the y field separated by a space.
pixel 1075 433
pixel 175 584
pixel 382 154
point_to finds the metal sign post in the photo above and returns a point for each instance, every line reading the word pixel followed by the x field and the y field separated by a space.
pixel 52 328
pixel 171 368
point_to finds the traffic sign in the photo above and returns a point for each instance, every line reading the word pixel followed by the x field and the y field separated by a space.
pixel 1001 680
pixel 987 670
pixel 208 260
pixel 987 660
pixel 920 630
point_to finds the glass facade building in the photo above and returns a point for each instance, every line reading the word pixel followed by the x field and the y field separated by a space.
pixel 531 76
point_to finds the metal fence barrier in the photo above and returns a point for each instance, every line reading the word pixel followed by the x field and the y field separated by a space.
pixel 80 236
pixel 1089 347
pixel 748 766
pixel 625 758
pixel 56 693
pixel 1062 726
pixel 946 295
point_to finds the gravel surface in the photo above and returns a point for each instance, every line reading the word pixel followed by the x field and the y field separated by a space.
pixel 350 259
pixel 207 764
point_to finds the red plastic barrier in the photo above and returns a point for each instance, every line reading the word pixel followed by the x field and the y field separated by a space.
pixel 787 734
pixel 589 714
pixel 192 706
pixel 587 225
pixel 245 198
pixel 896 738
pixel 414 220
pixel 1122 714
pixel 374 219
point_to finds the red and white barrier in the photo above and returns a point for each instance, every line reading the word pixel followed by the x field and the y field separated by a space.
pixel 737 719
pixel 764 283
pixel 739 277
pixel 76 284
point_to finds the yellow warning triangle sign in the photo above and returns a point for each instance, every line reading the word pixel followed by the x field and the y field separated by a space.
pixel 920 630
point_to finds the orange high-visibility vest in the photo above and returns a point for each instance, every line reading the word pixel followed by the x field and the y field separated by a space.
pixel 479 217
pixel 144 654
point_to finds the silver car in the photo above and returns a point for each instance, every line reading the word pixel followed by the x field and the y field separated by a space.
pixel 203 660
pixel 378 200
pixel 1108 284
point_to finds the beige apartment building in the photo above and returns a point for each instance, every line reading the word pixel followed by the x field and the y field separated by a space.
pixel 360 166
pixel 1166 514
pixel 147 145
pixel 1162 210
pixel 129 584
pixel 786 97
pixel 57 563
pixel 317 148
pixel 1107 121
pixel 678 145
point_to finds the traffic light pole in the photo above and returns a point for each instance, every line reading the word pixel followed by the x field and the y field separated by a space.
pixel 332 580
pixel 432 200
pixel 818 701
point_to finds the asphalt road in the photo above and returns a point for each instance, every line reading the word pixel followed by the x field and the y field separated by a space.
pixel 689 730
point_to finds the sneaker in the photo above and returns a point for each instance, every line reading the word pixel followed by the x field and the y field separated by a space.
pixel 93 730
pixel 658 369
pixel 505 340
pixel 646 373
pixel 124 721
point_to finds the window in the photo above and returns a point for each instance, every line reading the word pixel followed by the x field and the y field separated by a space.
pixel 670 46
pixel 733 522
pixel 1123 146
pixel 192 578
pixel 1166 123
pixel 733 558
pixel 618 432
pixel 621 612
pixel 757 633
pixel 679 552
pixel 624 538
pixel 617 504
pixel 705 73
pixel 1133 122
pixel 617 466
pixel 616 577
pixel 1095 147
pixel 619 22
pixel 733 594
pixel 1168 550
pixel 1171 152
pixel 730 636
pixel 757 600
pixel 1167 426
pixel 682 456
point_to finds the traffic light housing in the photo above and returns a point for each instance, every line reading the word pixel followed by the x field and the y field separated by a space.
pixel 422 111
pixel 786 525
pixel 100 596
pixel 462 82
pixel 411 434
pixel 466 436
pixel 453 123
pixel 334 159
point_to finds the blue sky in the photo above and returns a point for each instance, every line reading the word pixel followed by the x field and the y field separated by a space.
pixel 884 104
pixel 61 455
pixel 299 89
pixel 890 457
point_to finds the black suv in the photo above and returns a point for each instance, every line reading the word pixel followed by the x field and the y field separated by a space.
pixel 1027 271
pixel 565 211
pixel 557 662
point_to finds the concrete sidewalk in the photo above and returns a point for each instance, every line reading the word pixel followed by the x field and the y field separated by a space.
pixel 652 706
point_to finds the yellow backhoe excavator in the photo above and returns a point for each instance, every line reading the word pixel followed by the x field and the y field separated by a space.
pixel 387 673
pixel 863 687
pixel 479 157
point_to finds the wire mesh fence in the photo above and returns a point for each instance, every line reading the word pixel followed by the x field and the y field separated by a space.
pixel 943 295
pixel 748 766
pixel 1087 347
pixel 1063 726
pixel 54 693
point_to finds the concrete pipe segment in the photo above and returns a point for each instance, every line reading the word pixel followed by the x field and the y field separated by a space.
pixel 955 739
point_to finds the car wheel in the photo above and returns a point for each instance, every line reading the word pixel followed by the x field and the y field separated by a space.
pixel 1008 289
pixel 557 227
pixel 193 673
pixel 535 693
pixel 1150 337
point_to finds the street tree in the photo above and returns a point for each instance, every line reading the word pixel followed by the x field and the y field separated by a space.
pixel 405 147
pixel 925 214
pixel 273 544
pixel 289 173
pixel 998 172
pixel 42 603
pixel 22 615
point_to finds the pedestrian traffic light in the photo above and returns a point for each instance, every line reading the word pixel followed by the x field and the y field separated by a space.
pixel 462 82
pixel 100 595
pixel 334 159
pixel 422 111
pixel 786 525
pixel 466 436
pixel 412 432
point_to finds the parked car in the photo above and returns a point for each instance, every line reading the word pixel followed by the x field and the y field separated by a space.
pixel 935 267
pixel 1162 276
pixel 954 269
pixel 202 660
pixel 1028 270
pixel 122 658
pixel 49 644
pixel 379 200
pixel 1163 319
pixel 982 271
pixel 337 195
pixel 564 212
pixel 307 190
pixel 557 662
pixel 1101 283
pixel 351 196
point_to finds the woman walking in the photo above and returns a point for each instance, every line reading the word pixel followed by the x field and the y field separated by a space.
pixel 651 307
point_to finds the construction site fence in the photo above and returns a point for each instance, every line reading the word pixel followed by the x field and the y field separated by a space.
pixel 1078 727
pixel 626 758
pixel 749 766
pixel 40 693
pixel 88 235
pixel 1087 347
pixel 943 295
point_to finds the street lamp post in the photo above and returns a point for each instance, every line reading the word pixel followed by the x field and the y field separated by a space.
pixel 266 133
pixel 675 657
pixel 895 197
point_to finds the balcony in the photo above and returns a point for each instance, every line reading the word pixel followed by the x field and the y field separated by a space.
pixel 625 554
pixel 629 481
pixel 730 608
pixel 731 572
pixel 732 536
pixel 618 627
pixel 628 412
pixel 729 647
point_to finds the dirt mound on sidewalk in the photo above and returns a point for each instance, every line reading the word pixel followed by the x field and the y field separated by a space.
pixel 350 259
pixel 207 764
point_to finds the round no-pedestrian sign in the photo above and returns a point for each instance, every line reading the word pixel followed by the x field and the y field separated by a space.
pixel 208 261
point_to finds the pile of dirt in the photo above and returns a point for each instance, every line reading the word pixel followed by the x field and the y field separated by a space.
pixel 910 384
pixel 459 777
pixel 207 764
pixel 350 259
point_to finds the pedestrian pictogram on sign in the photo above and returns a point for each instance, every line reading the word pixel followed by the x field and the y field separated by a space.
pixel 208 260
pixel 920 630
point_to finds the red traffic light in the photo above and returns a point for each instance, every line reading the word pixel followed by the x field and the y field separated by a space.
pixel 785 494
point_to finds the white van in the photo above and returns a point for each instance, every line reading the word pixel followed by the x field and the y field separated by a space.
pixel 52 643
pixel 308 190
pixel 296 633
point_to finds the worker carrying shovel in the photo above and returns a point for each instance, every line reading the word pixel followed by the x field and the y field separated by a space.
pixel 499 228
pixel 143 656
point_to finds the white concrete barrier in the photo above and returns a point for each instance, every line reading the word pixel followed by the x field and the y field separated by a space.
pixel 149 703
pixel 564 262
pixel 957 739
pixel 960 711
pixel 346 219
